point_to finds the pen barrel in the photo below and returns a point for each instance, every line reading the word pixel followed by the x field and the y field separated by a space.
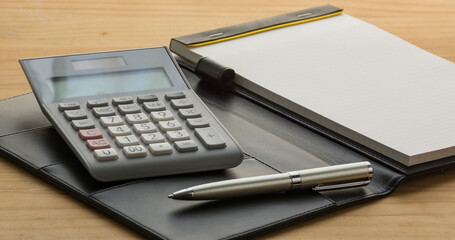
pixel 335 177
pixel 243 186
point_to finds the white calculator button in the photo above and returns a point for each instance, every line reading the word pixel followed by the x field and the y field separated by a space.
pixel 106 154
pixel 122 100
pixel 178 135
pixel 174 95
pixel 129 108
pixel 181 103
pixel 97 103
pixel 136 118
pixel 135 151
pixel 160 148
pixel 147 98
pixel 170 125
pixel 75 114
pixel 111 121
pixel 186 146
pixel 140 128
pixel 162 116
pixel 210 138
pixel 103 111
pixel 129 140
pixel 154 106
pixel 149 138
pixel 189 113
pixel 68 106
pixel 197 122
pixel 121 130
pixel 82 124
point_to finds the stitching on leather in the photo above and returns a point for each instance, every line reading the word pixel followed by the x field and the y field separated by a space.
pixel 25 131
pixel 15 155
pixel 20 95
pixel 126 217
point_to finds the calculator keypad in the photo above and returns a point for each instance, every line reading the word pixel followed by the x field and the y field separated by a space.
pixel 142 125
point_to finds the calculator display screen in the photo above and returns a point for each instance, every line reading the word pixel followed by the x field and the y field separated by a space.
pixel 108 83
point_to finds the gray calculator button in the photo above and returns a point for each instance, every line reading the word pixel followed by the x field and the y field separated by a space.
pixel 82 124
pixel 122 100
pixel 97 103
pixel 118 130
pixel 181 103
pixel 149 138
pixel 160 148
pixel 162 116
pixel 154 106
pixel 75 114
pixel 197 122
pixel 68 106
pixel 147 98
pixel 169 125
pixel 135 151
pixel 210 138
pixel 106 154
pixel 178 135
pixel 141 128
pixel 186 146
pixel 136 118
pixel 129 108
pixel 189 113
pixel 111 121
pixel 103 111
pixel 129 140
pixel 174 95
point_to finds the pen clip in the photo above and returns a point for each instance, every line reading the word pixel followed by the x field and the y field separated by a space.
pixel 339 185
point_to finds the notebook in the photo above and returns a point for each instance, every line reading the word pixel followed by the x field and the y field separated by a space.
pixel 344 74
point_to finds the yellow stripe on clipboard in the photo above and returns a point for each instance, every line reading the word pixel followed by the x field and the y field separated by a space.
pixel 264 29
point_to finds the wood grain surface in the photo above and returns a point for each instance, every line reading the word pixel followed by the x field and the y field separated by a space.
pixel 421 208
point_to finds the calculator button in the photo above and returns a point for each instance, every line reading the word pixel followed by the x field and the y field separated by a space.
pixel 122 130
pixel 147 98
pixel 154 106
pixel 68 106
pixel 140 128
pixel 174 95
pixel 197 122
pixel 136 118
pixel 181 103
pixel 82 124
pixel 152 138
pixel 103 111
pixel 129 108
pixel 169 125
pixel 75 114
pixel 98 143
pixel 106 154
pixel 210 138
pixel 93 133
pixel 122 100
pixel 160 148
pixel 186 146
pixel 162 116
pixel 179 135
pixel 189 113
pixel 111 121
pixel 129 140
pixel 135 151
pixel 97 103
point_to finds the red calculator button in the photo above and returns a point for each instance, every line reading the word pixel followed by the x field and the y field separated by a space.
pixel 98 143
pixel 93 133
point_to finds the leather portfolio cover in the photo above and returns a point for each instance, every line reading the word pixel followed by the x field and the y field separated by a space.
pixel 272 144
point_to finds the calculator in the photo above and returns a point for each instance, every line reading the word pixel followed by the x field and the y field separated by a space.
pixel 130 114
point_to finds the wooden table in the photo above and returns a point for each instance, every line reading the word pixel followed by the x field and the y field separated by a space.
pixel 421 208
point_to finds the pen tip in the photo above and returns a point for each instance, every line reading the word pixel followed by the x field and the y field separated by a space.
pixel 170 196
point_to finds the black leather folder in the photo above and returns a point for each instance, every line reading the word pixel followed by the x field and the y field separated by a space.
pixel 273 142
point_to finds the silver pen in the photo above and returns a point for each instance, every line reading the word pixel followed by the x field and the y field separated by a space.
pixel 323 178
